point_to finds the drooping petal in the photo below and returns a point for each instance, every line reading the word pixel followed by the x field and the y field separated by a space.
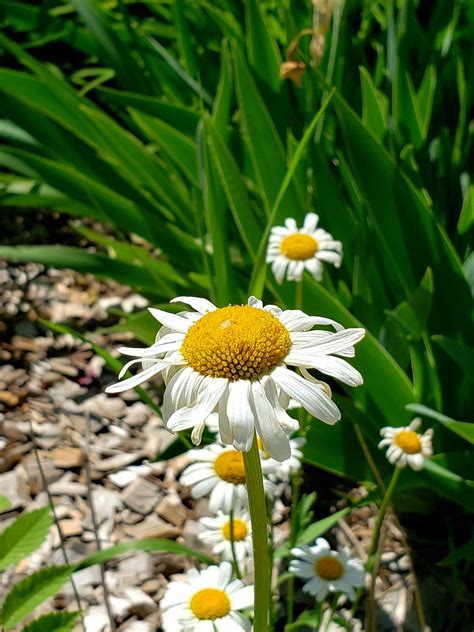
pixel 240 414
pixel 311 396
pixel 208 398
pixel 274 439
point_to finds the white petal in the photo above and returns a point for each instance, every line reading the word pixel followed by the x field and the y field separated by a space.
pixel 225 574
pixel 330 257
pixel 336 367
pixel 225 429
pixel 278 269
pixel 201 305
pixel 274 439
pixel 290 223
pixel 243 598
pixel 315 268
pixel 311 396
pixel 240 414
pixel 255 302
pixel 170 342
pixel 135 380
pixel 180 391
pixel 310 222
pixel 208 398
pixel 173 321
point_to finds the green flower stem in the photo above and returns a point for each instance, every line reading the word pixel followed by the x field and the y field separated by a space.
pixel 232 545
pixel 373 561
pixel 258 517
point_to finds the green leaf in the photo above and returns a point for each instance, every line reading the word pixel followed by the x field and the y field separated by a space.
pixel 264 145
pixel 262 50
pixel 404 224
pixel 178 147
pixel 460 353
pixel 425 99
pixel 141 324
pixel 24 536
pixel 234 187
pixel 165 546
pixel 225 91
pixel 462 428
pixel 374 106
pixel 83 261
pixel 115 51
pixel 466 218
pixel 183 36
pixel 25 596
pixel 53 622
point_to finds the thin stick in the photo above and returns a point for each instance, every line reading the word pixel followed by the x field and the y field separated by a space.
pixel 96 526
pixel 44 483
pixel 232 544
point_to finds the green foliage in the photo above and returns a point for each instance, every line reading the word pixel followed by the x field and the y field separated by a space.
pixel 54 622
pixel 25 596
pixel 23 536
pixel 170 125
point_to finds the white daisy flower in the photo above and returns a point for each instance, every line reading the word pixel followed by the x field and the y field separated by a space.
pixel 234 360
pixel 406 446
pixel 291 250
pixel 326 570
pixel 207 601
pixel 220 471
pixel 282 471
pixel 217 533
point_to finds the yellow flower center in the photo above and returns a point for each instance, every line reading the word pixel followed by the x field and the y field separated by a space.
pixel 329 567
pixel 299 246
pixel 239 527
pixel 408 441
pixel 230 467
pixel 237 342
pixel 210 604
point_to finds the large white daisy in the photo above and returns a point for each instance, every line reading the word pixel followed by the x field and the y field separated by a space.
pixel 234 361
pixel 292 250
pixel 218 531
pixel 406 446
pixel 326 570
pixel 219 471
pixel 207 601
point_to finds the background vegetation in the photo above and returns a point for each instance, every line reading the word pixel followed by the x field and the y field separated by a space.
pixel 168 123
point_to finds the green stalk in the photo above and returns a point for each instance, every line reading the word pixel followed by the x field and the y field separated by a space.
pixel 232 544
pixel 373 561
pixel 258 517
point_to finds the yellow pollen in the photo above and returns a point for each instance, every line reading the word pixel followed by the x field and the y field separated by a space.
pixel 230 467
pixel 237 342
pixel 299 246
pixel 210 604
pixel 329 567
pixel 408 441
pixel 239 528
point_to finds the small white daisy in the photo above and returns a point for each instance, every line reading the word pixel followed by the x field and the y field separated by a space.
pixel 217 533
pixel 234 361
pixel 282 472
pixel 220 471
pixel 406 446
pixel 207 601
pixel 326 570
pixel 291 250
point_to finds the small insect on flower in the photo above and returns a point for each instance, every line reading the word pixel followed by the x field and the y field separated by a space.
pixel 218 532
pixel 293 250
pixel 406 446
pixel 219 471
pixel 233 360
pixel 326 570
pixel 206 601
